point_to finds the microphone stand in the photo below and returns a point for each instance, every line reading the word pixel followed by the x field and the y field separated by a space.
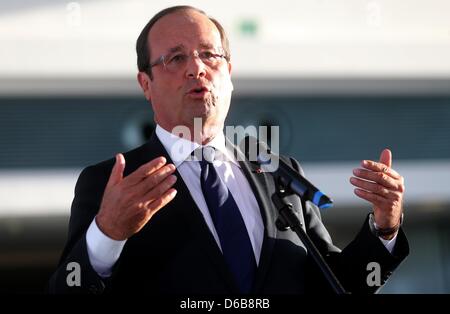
pixel 288 219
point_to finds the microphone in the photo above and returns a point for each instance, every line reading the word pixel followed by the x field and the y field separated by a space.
pixel 259 152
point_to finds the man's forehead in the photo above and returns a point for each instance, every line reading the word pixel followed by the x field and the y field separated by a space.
pixel 182 28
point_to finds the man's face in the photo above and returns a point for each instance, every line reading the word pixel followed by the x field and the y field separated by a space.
pixel 195 90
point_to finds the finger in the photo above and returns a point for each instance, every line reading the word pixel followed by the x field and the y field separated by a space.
pixel 379 167
pixel 151 168
pixel 380 178
pixel 160 189
pixel 386 157
pixel 375 199
pixel 374 188
pixel 154 179
pixel 117 171
pixel 146 169
pixel 159 203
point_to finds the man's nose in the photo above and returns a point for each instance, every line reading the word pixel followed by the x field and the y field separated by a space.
pixel 195 67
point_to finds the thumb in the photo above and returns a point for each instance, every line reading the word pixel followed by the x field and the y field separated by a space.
pixel 117 171
pixel 386 157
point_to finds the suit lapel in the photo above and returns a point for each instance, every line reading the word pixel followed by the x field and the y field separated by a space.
pixel 200 230
pixel 261 184
pixel 185 205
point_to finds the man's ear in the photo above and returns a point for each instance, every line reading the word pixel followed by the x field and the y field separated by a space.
pixel 230 67
pixel 145 83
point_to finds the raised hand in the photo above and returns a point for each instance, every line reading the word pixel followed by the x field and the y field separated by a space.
pixel 129 203
pixel 382 186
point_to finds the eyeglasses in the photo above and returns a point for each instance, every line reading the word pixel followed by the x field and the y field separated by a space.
pixel 176 61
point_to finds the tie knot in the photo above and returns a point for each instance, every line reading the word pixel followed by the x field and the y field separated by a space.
pixel 209 153
pixel 205 154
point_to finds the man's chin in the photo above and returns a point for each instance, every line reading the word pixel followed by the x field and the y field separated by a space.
pixel 202 110
pixel 203 115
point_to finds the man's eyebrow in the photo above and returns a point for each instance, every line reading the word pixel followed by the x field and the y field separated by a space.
pixel 206 46
pixel 177 48
pixel 181 47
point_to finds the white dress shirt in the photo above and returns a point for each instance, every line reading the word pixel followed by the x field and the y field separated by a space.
pixel 104 252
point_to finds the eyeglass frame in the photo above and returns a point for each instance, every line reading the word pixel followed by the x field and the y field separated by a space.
pixel 162 58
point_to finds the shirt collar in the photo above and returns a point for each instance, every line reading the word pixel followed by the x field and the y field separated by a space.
pixel 179 149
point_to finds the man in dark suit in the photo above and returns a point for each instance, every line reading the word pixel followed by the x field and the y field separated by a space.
pixel 157 220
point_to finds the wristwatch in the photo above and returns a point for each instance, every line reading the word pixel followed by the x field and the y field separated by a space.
pixel 383 231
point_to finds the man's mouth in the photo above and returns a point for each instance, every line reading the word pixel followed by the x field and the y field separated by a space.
pixel 198 92
pixel 198 89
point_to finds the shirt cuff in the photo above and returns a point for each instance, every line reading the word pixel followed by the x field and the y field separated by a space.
pixel 389 244
pixel 103 251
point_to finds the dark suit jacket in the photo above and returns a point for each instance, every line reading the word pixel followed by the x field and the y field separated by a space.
pixel 176 253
